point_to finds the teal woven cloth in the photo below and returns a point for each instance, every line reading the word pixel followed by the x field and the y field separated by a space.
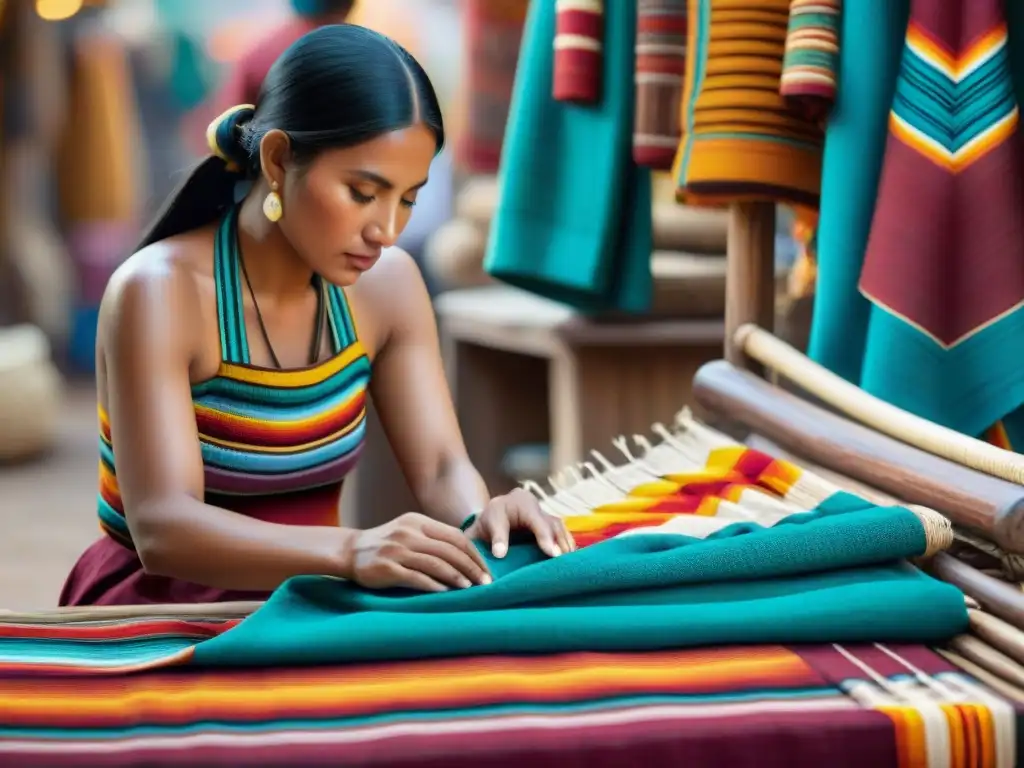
pixel 573 222
pixel 837 574
pixel 966 384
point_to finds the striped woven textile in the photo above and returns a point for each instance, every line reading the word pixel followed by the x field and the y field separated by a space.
pixel 579 32
pixel 266 432
pixel 741 139
pixel 660 67
pixel 93 691
pixel 812 56
pixel 922 238
pixel 493 31
pixel 746 707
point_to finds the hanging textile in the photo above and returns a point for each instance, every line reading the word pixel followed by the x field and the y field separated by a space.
pixel 573 221
pixel 741 139
pixel 493 31
pixel 812 55
pixel 660 66
pixel 578 39
pixel 921 241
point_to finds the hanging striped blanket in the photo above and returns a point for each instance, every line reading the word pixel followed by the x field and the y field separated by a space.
pixel 177 690
pixel 493 31
pixel 741 139
pixel 579 60
pixel 812 56
pixel 660 66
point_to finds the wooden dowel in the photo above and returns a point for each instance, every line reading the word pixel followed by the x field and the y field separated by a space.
pixel 992 507
pixel 996 597
pixel 750 274
pixel 983 675
pixel 197 611
pixel 990 658
pixel 854 402
pixel 999 634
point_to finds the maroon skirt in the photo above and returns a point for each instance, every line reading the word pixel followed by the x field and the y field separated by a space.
pixel 111 574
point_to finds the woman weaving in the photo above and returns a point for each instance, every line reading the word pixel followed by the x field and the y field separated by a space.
pixel 236 347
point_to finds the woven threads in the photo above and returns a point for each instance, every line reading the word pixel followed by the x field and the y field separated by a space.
pixel 579 490
pixel 938 531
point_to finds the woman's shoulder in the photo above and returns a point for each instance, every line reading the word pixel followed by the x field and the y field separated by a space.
pixel 175 264
pixel 389 297
pixel 159 285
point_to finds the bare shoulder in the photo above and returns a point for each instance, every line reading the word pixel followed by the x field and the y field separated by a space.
pixel 390 298
pixel 396 274
pixel 155 292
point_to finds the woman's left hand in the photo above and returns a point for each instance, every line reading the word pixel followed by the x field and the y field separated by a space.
pixel 519 510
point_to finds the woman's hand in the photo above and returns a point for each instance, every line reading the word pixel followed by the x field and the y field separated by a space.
pixel 416 552
pixel 519 510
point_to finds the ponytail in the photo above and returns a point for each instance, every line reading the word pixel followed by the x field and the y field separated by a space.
pixel 209 189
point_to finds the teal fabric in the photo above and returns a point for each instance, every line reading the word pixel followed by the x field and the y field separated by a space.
pixel 967 388
pixel 833 575
pixel 573 222
pixel 872 34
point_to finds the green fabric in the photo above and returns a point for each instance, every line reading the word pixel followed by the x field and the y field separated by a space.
pixel 573 222
pixel 872 34
pixel 833 575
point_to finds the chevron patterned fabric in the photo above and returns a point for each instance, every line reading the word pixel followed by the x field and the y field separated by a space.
pixel 941 332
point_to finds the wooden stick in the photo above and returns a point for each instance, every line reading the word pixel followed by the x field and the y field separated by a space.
pixel 992 507
pixel 878 414
pixel 999 634
pixel 996 597
pixel 750 274
pixel 986 656
pixel 198 611
pixel 983 675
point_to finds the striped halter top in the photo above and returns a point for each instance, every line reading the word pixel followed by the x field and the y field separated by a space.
pixel 276 444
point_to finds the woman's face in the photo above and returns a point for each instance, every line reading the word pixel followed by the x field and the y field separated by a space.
pixel 349 204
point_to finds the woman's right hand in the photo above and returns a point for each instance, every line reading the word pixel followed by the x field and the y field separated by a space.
pixel 416 552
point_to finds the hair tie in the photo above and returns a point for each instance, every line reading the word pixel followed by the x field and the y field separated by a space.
pixel 223 133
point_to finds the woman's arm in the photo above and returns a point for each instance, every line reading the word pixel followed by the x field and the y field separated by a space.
pixel 149 322
pixel 411 393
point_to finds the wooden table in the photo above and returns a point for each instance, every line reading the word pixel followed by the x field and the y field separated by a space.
pixel 526 370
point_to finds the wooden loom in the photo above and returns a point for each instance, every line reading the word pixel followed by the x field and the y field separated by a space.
pixel 862 441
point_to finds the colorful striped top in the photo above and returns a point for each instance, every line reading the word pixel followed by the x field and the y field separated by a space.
pixel 276 444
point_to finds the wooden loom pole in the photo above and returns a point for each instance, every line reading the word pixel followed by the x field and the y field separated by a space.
pixel 750 275
pixel 991 506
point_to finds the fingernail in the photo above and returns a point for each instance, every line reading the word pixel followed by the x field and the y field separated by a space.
pixel 500 549
pixel 485 580
pixel 556 550
pixel 465 583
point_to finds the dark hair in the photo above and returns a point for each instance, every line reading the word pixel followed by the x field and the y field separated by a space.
pixel 335 87
pixel 313 9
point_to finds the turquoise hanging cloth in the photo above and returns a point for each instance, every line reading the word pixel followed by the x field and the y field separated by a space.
pixel 573 222
pixel 836 574
pixel 920 293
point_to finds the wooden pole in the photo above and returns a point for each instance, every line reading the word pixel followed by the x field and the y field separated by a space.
pixel 750 275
